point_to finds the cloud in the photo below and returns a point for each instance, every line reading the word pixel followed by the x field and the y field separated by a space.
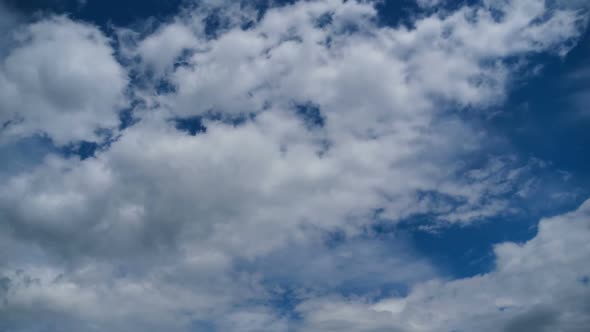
pixel 540 285
pixel 60 79
pixel 228 227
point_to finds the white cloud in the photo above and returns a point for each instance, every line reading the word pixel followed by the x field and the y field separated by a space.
pixel 60 79
pixel 162 230
pixel 541 285
pixel 288 56
pixel 160 50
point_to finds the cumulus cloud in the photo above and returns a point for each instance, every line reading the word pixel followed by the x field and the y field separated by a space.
pixel 59 79
pixel 540 285
pixel 304 125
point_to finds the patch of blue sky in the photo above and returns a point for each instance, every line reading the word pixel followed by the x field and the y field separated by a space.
pixel 461 251
pixel 103 12
pixel 544 116
pixel 311 115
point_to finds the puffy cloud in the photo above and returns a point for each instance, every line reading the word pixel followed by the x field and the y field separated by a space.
pixel 340 64
pixel 245 178
pixel 60 79
pixel 311 121
pixel 161 49
pixel 540 285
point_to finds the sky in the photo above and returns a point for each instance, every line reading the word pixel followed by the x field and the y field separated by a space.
pixel 287 166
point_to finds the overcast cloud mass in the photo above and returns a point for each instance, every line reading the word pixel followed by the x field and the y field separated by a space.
pixel 276 166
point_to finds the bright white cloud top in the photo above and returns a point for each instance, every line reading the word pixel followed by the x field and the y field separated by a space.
pixel 315 118
pixel 60 78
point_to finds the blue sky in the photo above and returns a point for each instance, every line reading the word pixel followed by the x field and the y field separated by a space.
pixel 413 165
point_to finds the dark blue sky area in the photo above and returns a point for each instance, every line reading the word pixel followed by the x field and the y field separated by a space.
pixel 548 117
pixel 102 12
pixel 464 251
pixel 125 12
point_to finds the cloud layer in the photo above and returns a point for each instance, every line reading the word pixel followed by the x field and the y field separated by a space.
pixel 240 169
